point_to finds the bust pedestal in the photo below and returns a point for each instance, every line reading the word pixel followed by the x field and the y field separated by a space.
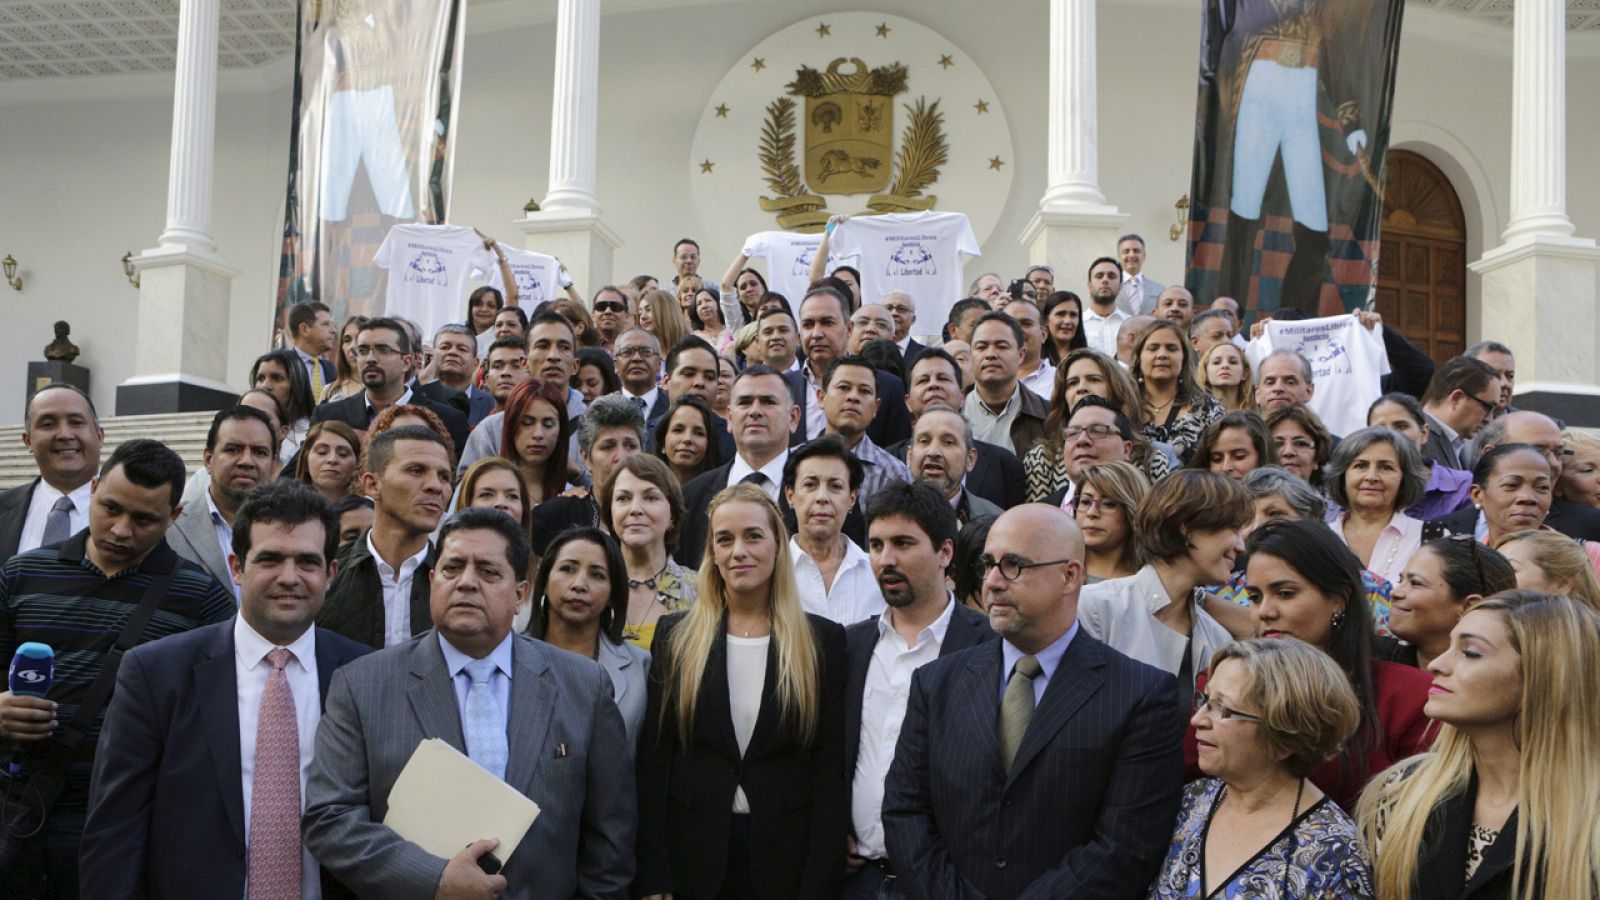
pixel 41 374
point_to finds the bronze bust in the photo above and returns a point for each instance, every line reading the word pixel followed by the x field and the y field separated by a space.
pixel 61 349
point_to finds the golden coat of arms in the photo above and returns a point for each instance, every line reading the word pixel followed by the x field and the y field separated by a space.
pixel 849 144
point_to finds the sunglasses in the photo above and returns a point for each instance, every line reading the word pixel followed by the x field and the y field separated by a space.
pixel 609 306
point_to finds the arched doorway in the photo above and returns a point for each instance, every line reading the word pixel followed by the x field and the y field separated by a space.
pixel 1422 265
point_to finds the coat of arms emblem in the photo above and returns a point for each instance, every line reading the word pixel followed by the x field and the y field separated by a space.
pixel 849 144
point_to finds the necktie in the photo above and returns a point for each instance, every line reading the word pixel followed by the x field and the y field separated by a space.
pixel 58 524
pixel 485 727
pixel 757 479
pixel 1136 296
pixel 1016 708
pixel 639 402
pixel 274 863
pixel 316 377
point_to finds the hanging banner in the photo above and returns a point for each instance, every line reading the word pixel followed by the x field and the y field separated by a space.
pixel 1291 131
pixel 371 142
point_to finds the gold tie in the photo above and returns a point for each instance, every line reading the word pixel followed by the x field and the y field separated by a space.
pixel 316 378
pixel 1016 708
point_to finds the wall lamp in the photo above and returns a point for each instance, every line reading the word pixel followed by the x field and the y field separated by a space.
pixel 1181 219
pixel 128 270
pixel 10 264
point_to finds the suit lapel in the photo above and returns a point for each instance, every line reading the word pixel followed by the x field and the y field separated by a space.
pixel 432 696
pixel 12 517
pixel 326 663
pixel 714 693
pixel 976 704
pixel 216 686
pixel 533 699
pixel 964 629
pixel 1076 679
pixel 767 719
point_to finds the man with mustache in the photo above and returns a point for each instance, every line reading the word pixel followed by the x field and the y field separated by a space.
pixel 911 534
pixel 779 339
pixel 174 762
pixel 240 449
pixel 825 336
pixel 611 315
pixel 941 453
pixel 64 435
pixel 384 355
pixel 380 596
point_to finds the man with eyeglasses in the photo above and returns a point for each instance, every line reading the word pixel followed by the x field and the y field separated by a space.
pixel 611 318
pixel 899 305
pixel 1459 401
pixel 638 356
pixel 1097 432
pixel 1048 765
pixel 384 354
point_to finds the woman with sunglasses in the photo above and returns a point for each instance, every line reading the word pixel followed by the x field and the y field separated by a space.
pixel 1255 825
pixel 1439 583
pixel 1187 532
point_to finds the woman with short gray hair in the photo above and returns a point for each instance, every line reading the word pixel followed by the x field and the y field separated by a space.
pixel 1374 475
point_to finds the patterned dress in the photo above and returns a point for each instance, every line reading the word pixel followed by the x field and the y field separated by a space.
pixel 1316 857
pixel 1183 432
pixel 676 590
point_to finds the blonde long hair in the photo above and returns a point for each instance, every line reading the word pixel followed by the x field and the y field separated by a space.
pixel 1558 813
pixel 799 671
pixel 1244 395
pixel 667 321
pixel 1560 558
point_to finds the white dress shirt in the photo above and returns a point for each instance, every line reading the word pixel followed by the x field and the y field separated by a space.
pixel 649 398
pixel 251 669
pixel 747 677
pixel 44 499
pixel 499 680
pixel 396 593
pixel 1042 381
pixel 224 533
pixel 855 594
pixel 773 470
pixel 883 710
pixel 1121 612
pixel 1100 332
pixel 816 421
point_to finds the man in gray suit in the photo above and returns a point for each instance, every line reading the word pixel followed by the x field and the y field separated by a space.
pixel 240 449
pixel 541 719
pixel 1139 291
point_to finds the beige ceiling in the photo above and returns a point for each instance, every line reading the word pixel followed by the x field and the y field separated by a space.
pixel 65 38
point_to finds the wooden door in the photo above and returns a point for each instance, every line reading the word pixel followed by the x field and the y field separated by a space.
pixel 1422 265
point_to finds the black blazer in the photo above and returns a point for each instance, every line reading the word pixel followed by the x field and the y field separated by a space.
pixel 166 804
pixel 13 511
pixel 353 412
pixel 997 476
pixel 913 350
pixel 967 629
pixel 1571 519
pixel 1442 863
pixel 1088 805
pixel 891 424
pixel 439 392
pixel 696 526
pixel 799 801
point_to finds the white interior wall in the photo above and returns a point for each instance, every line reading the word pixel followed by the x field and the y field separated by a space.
pixel 84 181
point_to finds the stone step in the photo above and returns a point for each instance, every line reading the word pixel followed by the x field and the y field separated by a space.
pixel 183 432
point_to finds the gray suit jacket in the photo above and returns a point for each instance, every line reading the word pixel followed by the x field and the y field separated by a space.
pixel 629 668
pixel 195 539
pixel 564 736
pixel 1152 290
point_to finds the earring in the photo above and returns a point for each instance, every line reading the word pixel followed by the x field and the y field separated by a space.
pixel 1338 619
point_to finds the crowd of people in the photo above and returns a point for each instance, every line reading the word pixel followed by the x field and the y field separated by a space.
pixel 765 597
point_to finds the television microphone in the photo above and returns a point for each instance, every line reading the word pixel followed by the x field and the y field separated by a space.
pixel 32 672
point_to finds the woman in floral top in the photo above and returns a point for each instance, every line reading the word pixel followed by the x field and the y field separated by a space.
pixel 642 504
pixel 1175 407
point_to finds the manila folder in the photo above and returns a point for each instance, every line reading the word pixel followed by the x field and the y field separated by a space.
pixel 444 801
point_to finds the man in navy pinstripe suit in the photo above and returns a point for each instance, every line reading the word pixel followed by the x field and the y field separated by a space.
pixel 1086 806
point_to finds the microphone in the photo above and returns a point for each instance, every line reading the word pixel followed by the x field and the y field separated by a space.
pixel 33 669
pixel 32 672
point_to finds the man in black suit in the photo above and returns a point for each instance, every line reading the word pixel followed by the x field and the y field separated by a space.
pixel 384 354
pixel 900 306
pixel 314 336
pixel 64 435
pixel 762 415
pixel 997 474
pixel 190 783
pixel 692 371
pixel 455 362
pixel 638 357
pixel 825 336
pixel 911 532
pixel 1044 765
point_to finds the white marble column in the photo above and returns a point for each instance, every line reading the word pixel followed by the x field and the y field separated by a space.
pixel 1073 152
pixel 1539 121
pixel 574 111
pixel 194 118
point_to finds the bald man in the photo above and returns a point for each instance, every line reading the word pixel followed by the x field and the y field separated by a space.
pixel 998 789
pixel 1128 334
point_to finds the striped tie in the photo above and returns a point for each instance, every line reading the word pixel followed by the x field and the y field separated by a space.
pixel 484 723
pixel 58 524
pixel 274 862
pixel 1016 708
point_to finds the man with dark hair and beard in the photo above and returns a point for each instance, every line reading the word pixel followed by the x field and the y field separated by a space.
pixel 911 530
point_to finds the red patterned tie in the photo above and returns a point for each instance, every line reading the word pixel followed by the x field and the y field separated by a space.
pixel 274 871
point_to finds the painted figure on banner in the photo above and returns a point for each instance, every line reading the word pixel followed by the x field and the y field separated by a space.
pixel 1291 132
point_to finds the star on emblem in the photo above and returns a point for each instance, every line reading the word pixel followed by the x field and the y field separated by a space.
pixel 883 30
pixel 995 163
pixel 982 106
pixel 946 61
pixel 824 30
pixel 722 110
pixel 759 64
pixel 705 167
